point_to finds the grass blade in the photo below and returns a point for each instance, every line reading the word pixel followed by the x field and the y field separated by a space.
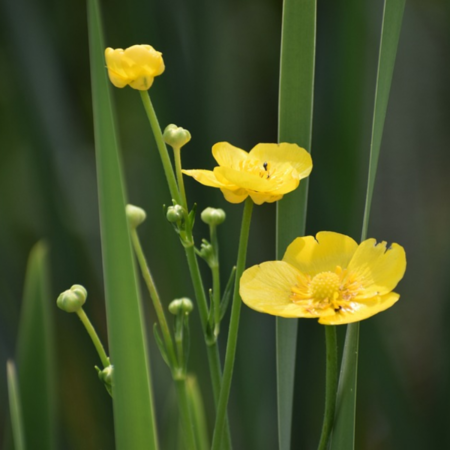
pixel 15 406
pixel 133 403
pixel 298 43
pixel 344 431
pixel 36 353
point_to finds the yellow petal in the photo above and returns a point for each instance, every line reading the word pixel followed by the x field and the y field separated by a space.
pixel 237 196
pixel 280 154
pixel 312 256
pixel 205 177
pixel 142 60
pixel 377 269
pixel 227 155
pixel 361 310
pixel 142 83
pixel 116 72
pixel 261 197
pixel 243 179
pixel 267 288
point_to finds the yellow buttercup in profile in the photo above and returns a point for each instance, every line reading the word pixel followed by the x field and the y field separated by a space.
pixel 265 174
pixel 330 278
pixel 136 66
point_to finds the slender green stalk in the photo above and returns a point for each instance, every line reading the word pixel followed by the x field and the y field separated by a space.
pixel 94 336
pixel 146 274
pixel 296 99
pixel 198 412
pixel 344 429
pixel 215 270
pixel 186 415
pixel 234 328
pixel 331 384
pixel 163 153
pixel 177 157
pixel 15 407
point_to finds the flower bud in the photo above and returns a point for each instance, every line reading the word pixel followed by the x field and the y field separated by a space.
pixel 106 375
pixel 175 136
pixel 183 305
pixel 135 215
pixel 213 216
pixel 175 213
pixel 73 299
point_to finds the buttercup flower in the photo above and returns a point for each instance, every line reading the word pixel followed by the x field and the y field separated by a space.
pixel 137 66
pixel 330 278
pixel 266 173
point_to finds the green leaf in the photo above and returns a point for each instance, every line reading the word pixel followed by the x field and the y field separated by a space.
pixel 343 437
pixel 161 345
pixel 298 43
pixel 36 353
pixel 227 293
pixel 15 406
pixel 133 403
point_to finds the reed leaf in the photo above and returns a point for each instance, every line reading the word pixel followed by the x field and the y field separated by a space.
pixel 343 437
pixel 298 43
pixel 15 406
pixel 133 403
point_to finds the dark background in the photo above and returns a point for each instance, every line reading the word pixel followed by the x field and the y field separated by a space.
pixel 221 83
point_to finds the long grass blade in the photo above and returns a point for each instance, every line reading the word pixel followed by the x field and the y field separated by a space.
pixel 15 406
pixel 298 43
pixel 343 437
pixel 36 353
pixel 133 403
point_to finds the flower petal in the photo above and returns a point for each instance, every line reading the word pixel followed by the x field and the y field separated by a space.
pixel 227 155
pixel 361 310
pixel 261 197
pixel 237 196
pixel 143 60
pixel 377 269
pixel 205 177
pixel 267 288
pixel 142 83
pixel 280 154
pixel 322 254
pixel 243 179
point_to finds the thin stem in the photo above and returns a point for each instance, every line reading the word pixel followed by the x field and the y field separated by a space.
pixel 177 157
pixel 234 327
pixel 215 270
pixel 95 339
pixel 146 274
pixel 331 384
pixel 186 416
pixel 163 153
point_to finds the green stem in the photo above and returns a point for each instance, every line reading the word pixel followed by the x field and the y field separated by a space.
pixel 213 349
pixel 186 416
pixel 163 153
pixel 177 157
pixel 146 274
pixel 95 339
pixel 331 384
pixel 234 328
pixel 215 270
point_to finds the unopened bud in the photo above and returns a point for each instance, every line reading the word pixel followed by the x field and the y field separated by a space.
pixel 183 305
pixel 213 216
pixel 73 299
pixel 175 213
pixel 106 375
pixel 175 136
pixel 135 215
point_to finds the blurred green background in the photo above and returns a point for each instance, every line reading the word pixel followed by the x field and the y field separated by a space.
pixel 221 83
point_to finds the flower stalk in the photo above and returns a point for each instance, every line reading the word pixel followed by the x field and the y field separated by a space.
pixel 234 327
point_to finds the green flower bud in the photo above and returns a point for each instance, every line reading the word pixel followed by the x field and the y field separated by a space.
pixel 135 215
pixel 213 216
pixel 175 213
pixel 73 299
pixel 106 375
pixel 175 136
pixel 183 305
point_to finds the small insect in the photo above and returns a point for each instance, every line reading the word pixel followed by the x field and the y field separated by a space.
pixel 265 165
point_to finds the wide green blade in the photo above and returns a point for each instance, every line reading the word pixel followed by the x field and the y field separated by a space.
pixel 133 404
pixel 15 407
pixel 298 44
pixel 36 353
pixel 343 437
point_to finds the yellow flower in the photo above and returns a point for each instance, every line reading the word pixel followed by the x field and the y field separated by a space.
pixel 136 66
pixel 266 173
pixel 330 278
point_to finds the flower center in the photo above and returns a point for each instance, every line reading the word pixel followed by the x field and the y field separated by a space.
pixel 256 167
pixel 324 285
